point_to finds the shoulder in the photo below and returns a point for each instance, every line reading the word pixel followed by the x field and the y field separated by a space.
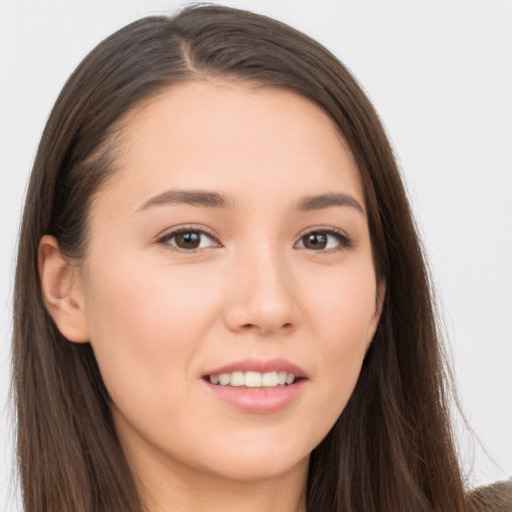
pixel 492 498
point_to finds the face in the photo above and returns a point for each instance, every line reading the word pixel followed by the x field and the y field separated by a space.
pixel 229 292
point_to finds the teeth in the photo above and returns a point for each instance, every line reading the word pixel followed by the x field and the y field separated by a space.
pixel 269 379
pixel 237 379
pixel 253 379
pixel 225 379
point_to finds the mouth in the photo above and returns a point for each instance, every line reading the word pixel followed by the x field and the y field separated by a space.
pixel 257 386
pixel 253 379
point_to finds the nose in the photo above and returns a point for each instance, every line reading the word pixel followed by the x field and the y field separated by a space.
pixel 261 296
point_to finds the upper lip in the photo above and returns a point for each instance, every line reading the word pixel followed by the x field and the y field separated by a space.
pixel 260 365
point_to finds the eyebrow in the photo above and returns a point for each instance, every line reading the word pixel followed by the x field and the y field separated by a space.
pixel 207 199
pixel 327 200
pixel 191 197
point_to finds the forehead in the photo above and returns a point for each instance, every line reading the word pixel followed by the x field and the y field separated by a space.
pixel 233 138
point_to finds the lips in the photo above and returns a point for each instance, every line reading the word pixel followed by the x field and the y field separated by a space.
pixel 257 386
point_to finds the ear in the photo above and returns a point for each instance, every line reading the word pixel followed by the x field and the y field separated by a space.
pixel 379 304
pixel 62 291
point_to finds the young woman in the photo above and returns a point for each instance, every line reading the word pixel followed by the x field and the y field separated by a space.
pixel 221 302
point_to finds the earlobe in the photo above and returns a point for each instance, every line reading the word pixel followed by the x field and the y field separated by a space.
pixel 62 291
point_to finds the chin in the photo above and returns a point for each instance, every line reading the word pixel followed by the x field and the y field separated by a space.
pixel 257 468
pixel 254 458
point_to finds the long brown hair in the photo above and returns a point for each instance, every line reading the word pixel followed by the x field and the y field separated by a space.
pixel 391 449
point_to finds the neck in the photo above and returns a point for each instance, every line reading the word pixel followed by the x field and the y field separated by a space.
pixel 188 490
pixel 223 496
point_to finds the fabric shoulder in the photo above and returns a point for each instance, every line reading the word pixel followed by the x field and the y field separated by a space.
pixel 496 497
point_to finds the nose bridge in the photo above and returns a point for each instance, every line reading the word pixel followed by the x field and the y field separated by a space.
pixel 262 295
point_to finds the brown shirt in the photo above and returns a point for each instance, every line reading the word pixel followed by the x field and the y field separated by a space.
pixel 493 498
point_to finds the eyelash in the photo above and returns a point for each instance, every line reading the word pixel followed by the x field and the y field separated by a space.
pixel 165 239
pixel 343 240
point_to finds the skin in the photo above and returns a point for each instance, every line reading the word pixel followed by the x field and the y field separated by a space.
pixel 159 317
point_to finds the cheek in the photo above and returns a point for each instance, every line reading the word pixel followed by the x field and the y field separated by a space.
pixel 128 299
pixel 345 308
pixel 147 324
pixel 342 306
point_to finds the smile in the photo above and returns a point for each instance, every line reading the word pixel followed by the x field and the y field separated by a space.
pixel 253 379
pixel 257 386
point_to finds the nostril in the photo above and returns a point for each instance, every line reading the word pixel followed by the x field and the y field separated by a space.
pixel 265 328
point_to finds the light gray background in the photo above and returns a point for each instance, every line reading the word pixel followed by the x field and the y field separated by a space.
pixel 440 75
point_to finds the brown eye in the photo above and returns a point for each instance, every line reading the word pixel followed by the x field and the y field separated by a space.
pixel 315 241
pixel 325 240
pixel 189 240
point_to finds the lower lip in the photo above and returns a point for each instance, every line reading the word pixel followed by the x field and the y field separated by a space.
pixel 258 400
